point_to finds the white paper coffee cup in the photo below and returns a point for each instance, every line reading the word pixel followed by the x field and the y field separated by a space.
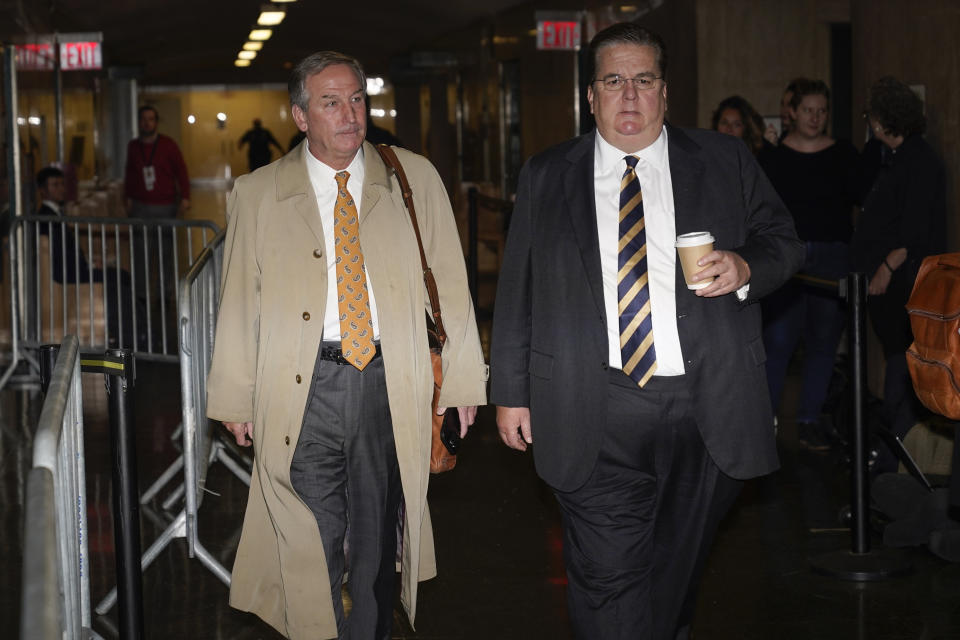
pixel 691 247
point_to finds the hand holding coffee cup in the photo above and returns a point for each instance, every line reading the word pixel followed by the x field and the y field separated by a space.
pixel 691 247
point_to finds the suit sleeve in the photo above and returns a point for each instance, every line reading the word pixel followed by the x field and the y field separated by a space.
pixel 233 372
pixel 464 370
pixel 510 346
pixel 771 248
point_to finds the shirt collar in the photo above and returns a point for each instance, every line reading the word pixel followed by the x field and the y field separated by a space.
pixel 53 205
pixel 323 173
pixel 607 158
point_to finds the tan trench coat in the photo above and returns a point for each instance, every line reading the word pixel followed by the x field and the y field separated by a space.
pixel 270 324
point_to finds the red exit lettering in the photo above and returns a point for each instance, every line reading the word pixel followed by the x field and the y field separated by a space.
pixel 555 34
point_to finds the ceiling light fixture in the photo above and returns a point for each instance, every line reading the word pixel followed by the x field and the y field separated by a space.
pixel 241 63
pixel 260 34
pixel 253 46
pixel 270 15
pixel 246 55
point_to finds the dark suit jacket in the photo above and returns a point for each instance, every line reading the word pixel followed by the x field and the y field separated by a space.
pixel 64 254
pixel 550 349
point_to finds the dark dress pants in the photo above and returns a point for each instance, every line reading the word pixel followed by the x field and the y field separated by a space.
pixel 345 469
pixel 637 533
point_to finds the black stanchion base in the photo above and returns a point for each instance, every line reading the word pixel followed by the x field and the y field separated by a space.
pixel 861 567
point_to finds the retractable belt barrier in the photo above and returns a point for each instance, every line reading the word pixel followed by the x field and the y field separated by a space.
pixel 109 281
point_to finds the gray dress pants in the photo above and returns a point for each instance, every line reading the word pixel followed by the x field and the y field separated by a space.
pixel 345 469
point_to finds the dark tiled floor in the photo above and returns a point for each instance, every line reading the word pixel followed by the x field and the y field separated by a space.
pixel 498 539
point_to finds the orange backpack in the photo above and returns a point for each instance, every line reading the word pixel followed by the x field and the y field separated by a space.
pixel 934 356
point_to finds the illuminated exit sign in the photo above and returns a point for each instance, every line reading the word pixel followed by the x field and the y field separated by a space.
pixel 78 52
pixel 558 30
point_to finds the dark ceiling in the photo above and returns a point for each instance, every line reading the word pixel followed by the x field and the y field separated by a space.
pixel 196 41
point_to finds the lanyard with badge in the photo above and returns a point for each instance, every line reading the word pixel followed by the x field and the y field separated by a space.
pixel 149 174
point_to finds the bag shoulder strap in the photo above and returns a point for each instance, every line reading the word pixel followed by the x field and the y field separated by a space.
pixel 390 159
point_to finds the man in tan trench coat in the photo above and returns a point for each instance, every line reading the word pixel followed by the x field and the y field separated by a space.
pixel 336 434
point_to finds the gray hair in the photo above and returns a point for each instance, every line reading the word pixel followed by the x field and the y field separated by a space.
pixel 314 64
pixel 628 33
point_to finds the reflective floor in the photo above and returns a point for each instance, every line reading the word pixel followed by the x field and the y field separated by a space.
pixel 498 539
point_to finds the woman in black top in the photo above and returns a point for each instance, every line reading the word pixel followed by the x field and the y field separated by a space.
pixel 903 221
pixel 815 176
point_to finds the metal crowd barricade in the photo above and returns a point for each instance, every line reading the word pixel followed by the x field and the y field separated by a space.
pixel 198 302
pixel 55 599
pixel 109 281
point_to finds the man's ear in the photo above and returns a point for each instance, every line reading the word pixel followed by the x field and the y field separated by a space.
pixel 299 118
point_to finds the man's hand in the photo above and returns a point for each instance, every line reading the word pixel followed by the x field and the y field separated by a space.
pixel 770 135
pixel 731 271
pixel 242 431
pixel 467 417
pixel 514 426
pixel 184 206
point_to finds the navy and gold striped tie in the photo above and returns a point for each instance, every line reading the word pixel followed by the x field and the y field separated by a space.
pixel 639 358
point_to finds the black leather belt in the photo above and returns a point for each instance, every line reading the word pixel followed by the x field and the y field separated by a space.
pixel 332 353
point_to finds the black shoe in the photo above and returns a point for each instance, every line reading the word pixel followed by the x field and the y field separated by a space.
pixel 812 436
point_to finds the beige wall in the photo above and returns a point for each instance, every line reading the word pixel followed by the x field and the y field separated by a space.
pixel 78 120
pixel 211 151
pixel 755 47
pixel 916 43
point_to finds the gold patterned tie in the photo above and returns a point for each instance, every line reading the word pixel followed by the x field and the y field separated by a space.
pixel 356 323
pixel 636 323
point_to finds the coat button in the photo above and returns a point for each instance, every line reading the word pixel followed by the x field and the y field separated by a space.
pixel 286 440
pixel 317 253
pixel 298 378
pixel 306 315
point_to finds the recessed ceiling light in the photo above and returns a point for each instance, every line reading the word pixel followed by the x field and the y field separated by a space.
pixel 253 46
pixel 246 55
pixel 270 16
pixel 241 63
pixel 260 34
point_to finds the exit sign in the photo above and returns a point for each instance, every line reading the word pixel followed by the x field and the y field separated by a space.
pixel 78 52
pixel 558 31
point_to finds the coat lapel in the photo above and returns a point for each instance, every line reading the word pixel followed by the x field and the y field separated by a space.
pixel 375 175
pixel 581 206
pixel 293 182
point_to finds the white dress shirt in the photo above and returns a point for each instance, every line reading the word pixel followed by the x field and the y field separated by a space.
pixel 324 181
pixel 653 171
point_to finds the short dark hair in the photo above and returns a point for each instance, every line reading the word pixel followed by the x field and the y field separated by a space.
pixel 896 107
pixel 148 107
pixel 45 174
pixel 803 87
pixel 628 33
pixel 314 64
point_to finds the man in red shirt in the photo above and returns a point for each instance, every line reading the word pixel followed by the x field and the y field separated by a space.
pixel 156 183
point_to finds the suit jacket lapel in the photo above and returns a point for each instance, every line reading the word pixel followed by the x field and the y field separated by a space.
pixel 686 173
pixel 581 206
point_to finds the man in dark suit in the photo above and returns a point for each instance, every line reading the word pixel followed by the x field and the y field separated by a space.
pixel 69 264
pixel 647 399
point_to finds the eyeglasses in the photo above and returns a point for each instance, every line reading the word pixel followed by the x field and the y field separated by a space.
pixel 616 82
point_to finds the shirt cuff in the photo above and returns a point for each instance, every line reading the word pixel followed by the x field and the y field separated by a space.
pixel 742 292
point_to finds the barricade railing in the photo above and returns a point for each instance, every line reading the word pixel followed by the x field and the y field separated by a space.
pixel 109 281
pixel 55 598
pixel 198 303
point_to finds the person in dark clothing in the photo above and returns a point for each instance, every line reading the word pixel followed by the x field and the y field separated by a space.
pixel 736 117
pixel 815 176
pixel 903 221
pixel 69 265
pixel 259 140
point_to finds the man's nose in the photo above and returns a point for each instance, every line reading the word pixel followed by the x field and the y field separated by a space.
pixel 630 89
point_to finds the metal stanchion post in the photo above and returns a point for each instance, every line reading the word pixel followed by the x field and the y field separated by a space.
pixel 48 358
pixel 119 369
pixel 860 563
